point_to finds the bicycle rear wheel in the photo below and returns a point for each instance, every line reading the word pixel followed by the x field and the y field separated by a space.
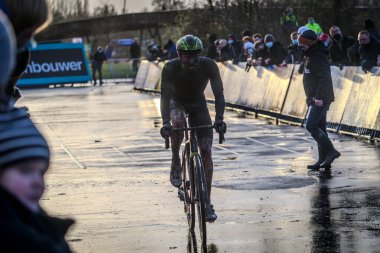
pixel 188 187
pixel 201 191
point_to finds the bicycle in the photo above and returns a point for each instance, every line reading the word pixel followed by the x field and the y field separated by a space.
pixel 193 190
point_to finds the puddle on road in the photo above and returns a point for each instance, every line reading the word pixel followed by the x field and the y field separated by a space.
pixel 267 183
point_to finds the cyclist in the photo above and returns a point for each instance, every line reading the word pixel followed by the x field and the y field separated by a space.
pixel 183 82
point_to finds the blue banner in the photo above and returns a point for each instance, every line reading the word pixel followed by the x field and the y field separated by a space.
pixel 56 64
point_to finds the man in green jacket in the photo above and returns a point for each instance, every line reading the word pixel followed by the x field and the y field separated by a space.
pixel 314 26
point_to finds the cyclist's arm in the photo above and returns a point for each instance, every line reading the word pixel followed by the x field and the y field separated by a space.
pixel 217 89
pixel 165 94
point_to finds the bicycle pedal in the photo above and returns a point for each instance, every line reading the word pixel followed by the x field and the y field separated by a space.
pixel 181 194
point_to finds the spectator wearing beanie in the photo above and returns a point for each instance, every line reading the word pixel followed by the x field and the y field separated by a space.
pixel 314 26
pixel 211 50
pixel 369 26
pixel 24 159
pixel 276 51
pixel 338 49
pixel 319 92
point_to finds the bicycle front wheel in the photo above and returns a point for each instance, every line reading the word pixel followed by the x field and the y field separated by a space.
pixel 201 191
pixel 188 188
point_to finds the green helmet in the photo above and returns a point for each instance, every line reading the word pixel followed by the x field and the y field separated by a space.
pixel 189 44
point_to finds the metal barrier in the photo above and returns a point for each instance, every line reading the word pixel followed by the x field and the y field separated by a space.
pixel 279 94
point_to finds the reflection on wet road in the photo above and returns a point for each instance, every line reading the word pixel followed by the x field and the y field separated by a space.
pixel 110 172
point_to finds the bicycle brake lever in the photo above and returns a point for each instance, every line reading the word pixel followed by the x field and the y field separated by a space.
pixel 167 143
pixel 221 138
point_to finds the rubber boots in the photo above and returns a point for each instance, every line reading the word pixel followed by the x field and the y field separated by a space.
pixel 321 159
pixel 327 148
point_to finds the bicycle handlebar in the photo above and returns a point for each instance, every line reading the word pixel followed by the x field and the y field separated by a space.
pixel 167 142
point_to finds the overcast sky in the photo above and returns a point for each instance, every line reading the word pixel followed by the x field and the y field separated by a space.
pixel 131 5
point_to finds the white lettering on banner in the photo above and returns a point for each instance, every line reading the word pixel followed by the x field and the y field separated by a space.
pixel 54 67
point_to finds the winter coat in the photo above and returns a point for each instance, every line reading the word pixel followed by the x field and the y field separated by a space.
pixel 317 80
pixel 368 54
pixel 339 52
pixel 22 231
pixel 293 54
pixel 135 50
pixel 276 54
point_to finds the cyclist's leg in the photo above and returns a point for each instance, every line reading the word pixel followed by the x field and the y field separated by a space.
pixel 178 119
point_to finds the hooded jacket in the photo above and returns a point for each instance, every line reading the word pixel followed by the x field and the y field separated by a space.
pixel 23 231
pixel 317 80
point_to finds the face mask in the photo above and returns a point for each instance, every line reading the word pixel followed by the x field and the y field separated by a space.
pixel 295 42
pixel 326 43
pixel 269 44
pixel 312 21
pixel 337 36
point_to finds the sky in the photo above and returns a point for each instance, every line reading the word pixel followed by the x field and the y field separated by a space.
pixel 131 5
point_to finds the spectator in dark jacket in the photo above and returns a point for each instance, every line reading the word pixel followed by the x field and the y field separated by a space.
pixel 319 92
pixel 369 26
pixel 261 53
pixel 97 64
pixel 294 56
pixel 288 21
pixel 222 50
pixel 170 50
pixel 369 50
pixel 135 52
pixel 339 48
pixel 211 50
pixel 234 49
pixel 276 51
pixel 24 160
pixel 353 52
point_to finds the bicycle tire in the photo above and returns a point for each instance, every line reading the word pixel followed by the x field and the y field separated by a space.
pixel 201 189
pixel 188 189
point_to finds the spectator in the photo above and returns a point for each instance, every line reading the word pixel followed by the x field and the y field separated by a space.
pixel 27 21
pixel 221 50
pixel 353 52
pixel 153 51
pixel 24 160
pixel 369 50
pixel 314 26
pixel 261 52
pixel 234 49
pixel 369 26
pixel 243 54
pixel 288 21
pixel 108 51
pixel 276 51
pixel 211 50
pixel 170 50
pixel 339 47
pixel 319 92
pixel 257 38
pixel 325 39
pixel 135 52
pixel 294 56
pixel 97 64
pixel 248 49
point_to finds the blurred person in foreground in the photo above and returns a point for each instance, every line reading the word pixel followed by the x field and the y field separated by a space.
pixel 28 17
pixel 24 160
pixel 319 92
pixel 183 83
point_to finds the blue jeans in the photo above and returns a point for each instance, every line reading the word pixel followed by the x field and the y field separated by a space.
pixel 7 52
pixel 316 120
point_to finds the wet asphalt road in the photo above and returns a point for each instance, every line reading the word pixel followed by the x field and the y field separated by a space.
pixel 110 172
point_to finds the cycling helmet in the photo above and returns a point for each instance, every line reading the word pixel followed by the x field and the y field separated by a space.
pixel 189 44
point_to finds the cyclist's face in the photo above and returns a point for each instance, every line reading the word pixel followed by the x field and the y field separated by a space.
pixel 189 61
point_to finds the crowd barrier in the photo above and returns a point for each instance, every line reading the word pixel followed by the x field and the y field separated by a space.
pixel 279 93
